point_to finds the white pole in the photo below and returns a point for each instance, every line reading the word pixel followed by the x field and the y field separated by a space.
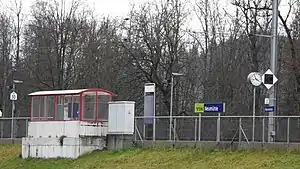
pixel 171 109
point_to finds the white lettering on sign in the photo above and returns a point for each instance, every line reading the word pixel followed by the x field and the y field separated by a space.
pixel 268 109
pixel 212 108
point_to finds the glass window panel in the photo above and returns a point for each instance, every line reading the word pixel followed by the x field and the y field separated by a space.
pixel 103 107
pixel 74 112
pixel 42 113
pixel 60 108
pixel 35 107
pixel 89 101
pixel 67 107
pixel 50 107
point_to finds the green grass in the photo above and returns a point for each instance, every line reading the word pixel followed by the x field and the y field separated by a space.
pixel 157 159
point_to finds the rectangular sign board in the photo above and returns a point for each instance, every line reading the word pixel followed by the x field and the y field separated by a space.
pixel 269 109
pixel 210 107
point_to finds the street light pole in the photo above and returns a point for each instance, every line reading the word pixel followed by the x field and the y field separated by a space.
pixel 171 103
pixel 273 64
pixel 171 109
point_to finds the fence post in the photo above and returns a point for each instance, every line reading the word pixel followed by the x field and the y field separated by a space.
pixel 288 131
pixel 253 128
pixel 218 127
pixel 154 128
pixel 263 130
pixel 26 128
pixel 174 130
pixel 199 128
pixel 144 131
pixel 240 130
pixel 2 129
pixel 195 127
pixel 135 129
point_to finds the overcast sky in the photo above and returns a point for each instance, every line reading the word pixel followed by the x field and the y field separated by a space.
pixel 116 8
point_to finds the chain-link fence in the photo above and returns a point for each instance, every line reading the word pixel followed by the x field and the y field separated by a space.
pixel 20 127
pixel 219 128
pixel 193 128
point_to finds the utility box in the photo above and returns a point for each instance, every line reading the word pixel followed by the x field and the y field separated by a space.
pixel 121 118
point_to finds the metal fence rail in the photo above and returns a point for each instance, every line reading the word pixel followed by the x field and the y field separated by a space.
pixel 20 127
pixel 193 128
pixel 218 128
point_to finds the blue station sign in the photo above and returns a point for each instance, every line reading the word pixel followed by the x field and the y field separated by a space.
pixel 210 107
pixel 269 108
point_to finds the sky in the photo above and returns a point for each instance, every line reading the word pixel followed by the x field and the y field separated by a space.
pixel 120 8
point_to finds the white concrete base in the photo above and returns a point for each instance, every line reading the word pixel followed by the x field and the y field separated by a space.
pixel 54 148
pixel 74 129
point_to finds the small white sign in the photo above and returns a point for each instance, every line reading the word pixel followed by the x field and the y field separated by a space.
pixel 1 113
pixel 149 87
pixel 267 101
pixel 13 96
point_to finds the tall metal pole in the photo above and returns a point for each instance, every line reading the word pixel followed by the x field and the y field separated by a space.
pixel 12 114
pixel 171 108
pixel 273 63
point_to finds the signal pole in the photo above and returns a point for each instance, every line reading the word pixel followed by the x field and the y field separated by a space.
pixel 273 64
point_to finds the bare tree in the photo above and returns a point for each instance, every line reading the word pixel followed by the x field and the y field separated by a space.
pixel 155 45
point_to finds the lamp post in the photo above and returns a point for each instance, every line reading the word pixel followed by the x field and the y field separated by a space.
pixel 13 105
pixel 171 103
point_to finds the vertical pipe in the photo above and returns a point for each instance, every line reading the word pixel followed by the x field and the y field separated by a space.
pixel 253 118
pixel 288 131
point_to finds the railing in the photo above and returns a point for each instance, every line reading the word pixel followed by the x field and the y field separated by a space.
pixel 20 127
pixel 194 128
pixel 218 128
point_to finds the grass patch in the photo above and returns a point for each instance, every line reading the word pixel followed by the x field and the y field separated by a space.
pixel 189 158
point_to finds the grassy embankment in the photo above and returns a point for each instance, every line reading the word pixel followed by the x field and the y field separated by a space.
pixel 157 159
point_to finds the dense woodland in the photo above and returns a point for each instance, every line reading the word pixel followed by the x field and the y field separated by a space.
pixel 67 46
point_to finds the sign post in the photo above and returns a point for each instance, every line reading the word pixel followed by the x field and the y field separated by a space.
pixel 13 98
pixel 210 108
